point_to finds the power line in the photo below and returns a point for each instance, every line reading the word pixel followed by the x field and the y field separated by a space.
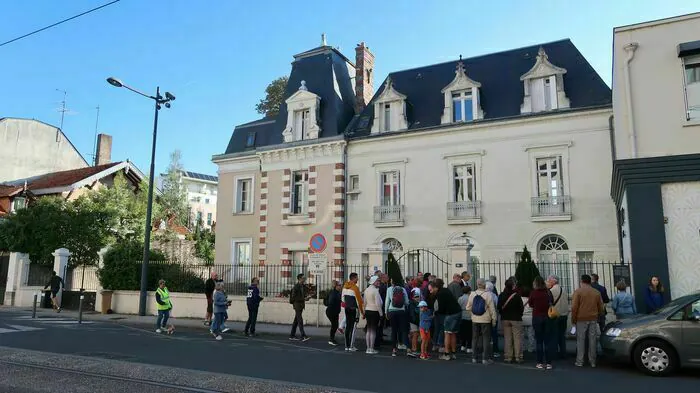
pixel 58 23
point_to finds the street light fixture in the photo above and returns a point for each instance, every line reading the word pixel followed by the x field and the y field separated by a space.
pixel 159 100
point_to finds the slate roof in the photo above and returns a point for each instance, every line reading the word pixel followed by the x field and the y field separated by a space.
pixel 200 176
pixel 326 72
pixel 501 92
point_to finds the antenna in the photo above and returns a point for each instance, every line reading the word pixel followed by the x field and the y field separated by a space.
pixel 94 146
pixel 63 109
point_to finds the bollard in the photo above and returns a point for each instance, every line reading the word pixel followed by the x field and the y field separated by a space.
pixel 34 307
pixel 80 307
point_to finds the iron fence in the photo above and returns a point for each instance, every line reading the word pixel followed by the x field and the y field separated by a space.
pixel 38 275
pixel 81 277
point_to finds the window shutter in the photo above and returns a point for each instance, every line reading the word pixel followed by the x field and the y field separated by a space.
pixel 239 195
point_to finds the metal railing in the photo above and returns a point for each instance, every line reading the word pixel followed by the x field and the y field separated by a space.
pixel 464 210
pixel 81 277
pixel 389 214
pixel 551 206
pixel 38 275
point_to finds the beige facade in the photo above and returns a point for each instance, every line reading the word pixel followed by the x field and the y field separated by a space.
pixel 657 109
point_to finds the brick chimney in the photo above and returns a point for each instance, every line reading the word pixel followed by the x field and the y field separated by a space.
pixel 364 76
pixel 103 155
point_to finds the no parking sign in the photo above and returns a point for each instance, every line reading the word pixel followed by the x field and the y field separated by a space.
pixel 318 243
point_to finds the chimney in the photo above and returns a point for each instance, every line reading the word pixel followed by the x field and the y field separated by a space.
pixel 103 155
pixel 364 76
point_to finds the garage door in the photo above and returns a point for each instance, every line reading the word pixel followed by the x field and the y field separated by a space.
pixel 682 213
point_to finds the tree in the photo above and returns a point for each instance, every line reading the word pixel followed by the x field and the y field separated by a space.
pixel 173 199
pixel 204 245
pixel 127 207
pixel 526 272
pixel 274 97
pixel 393 270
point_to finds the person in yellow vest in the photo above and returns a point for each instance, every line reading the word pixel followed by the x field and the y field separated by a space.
pixel 164 306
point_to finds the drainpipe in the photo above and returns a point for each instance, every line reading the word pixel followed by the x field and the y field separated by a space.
pixel 345 209
pixel 630 49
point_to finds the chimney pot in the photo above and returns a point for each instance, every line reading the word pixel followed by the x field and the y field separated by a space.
pixel 103 155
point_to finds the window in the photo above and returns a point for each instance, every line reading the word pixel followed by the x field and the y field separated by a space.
pixel 390 195
pixel 549 178
pixel 692 73
pixel 544 93
pixel 18 203
pixel 553 256
pixel 244 195
pixel 585 262
pixel 240 261
pixel 301 124
pixel 354 187
pixel 464 183
pixel 692 87
pixel 299 192
pixel 250 141
pixel 462 109
pixel 206 201
pixel 387 118
pixel 300 262
pixel 209 219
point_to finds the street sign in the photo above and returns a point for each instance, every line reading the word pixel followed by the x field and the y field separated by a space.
pixel 622 273
pixel 318 263
pixel 317 243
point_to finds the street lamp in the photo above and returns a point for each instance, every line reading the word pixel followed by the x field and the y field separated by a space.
pixel 159 100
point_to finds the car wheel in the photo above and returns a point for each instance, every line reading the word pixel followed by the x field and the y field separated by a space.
pixel 655 357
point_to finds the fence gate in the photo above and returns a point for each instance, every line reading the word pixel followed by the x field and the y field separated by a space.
pixel 4 267
pixel 423 260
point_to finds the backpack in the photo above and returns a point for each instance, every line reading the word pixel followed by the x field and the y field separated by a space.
pixel 478 305
pixel 397 299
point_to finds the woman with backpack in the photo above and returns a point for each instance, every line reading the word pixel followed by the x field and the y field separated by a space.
pixel 395 309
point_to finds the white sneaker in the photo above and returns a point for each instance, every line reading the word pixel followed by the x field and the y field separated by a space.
pixel 226 330
pixel 463 349
pixel 219 338
pixel 368 352
pixel 402 347
pixel 469 350
pixel 159 331
pixel 352 349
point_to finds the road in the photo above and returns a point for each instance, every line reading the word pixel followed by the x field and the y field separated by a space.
pixel 133 359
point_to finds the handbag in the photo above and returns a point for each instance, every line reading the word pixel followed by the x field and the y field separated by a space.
pixel 552 312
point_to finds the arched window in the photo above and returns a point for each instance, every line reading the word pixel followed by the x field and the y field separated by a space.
pixel 392 244
pixel 553 258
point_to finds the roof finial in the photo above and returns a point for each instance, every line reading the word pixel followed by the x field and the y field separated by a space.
pixel 460 67
pixel 303 86
pixel 541 53
pixel 323 39
pixel 460 57
pixel 388 83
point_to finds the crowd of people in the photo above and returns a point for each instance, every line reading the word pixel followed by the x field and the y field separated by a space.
pixel 428 317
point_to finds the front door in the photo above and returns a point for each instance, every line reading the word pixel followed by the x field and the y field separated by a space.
pixel 691 334
pixel 4 267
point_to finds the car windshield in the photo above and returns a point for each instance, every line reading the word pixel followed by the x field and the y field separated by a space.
pixel 681 301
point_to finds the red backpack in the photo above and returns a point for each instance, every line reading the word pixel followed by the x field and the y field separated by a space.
pixel 397 299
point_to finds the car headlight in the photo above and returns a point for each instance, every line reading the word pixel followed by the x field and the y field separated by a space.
pixel 613 332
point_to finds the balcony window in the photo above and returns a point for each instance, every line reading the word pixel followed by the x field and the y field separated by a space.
pixel 390 190
pixel 390 210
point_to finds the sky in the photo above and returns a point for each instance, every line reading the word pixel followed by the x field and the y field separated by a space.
pixel 217 57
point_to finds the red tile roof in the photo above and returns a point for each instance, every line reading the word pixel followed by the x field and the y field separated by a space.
pixel 66 178
pixel 6 191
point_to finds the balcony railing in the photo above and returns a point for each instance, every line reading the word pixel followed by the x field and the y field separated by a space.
pixel 465 210
pixel 389 215
pixel 558 206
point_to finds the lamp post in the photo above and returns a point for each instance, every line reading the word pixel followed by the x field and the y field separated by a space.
pixel 159 100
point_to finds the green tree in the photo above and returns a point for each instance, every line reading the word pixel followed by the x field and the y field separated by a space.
pixel 274 97
pixel 127 206
pixel 121 266
pixel 393 270
pixel 526 272
pixel 173 199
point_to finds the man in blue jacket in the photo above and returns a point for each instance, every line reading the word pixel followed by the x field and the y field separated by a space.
pixel 604 295
pixel 253 301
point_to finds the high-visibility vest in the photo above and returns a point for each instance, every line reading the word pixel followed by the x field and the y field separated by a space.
pixel 165 298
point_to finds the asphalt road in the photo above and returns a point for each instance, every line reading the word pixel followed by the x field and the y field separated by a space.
pixel 313 366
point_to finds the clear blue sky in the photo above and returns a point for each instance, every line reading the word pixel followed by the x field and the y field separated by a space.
pixel 217 57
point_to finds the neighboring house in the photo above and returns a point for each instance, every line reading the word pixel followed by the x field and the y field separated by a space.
pixel 656 172
pixel 13 198
pixel 202 192
pixel 283 178
pixel 512 148
pixel 31 147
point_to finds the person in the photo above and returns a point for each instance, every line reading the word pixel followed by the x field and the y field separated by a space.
pixel 654 295
pixel 455 286
pixel 623 302
pixel 561 305
pixel 452 315
pixel 465 327
pixel 164 305
pixel 539 300
pixel 221 303
pixel 353 302
pixel 604 295
pixel 384 278
pixel 332 303
pixel 414 321
pixel 374 311
pixel 426 319
pixel 466 279
pixel 209 287
pixel 511 308
pixel 56 284
pixel 484 316
pixel 253 300
pixel 586 309
pixel 298 299
pixel 491 289
pixel 395 307
pixel 493 280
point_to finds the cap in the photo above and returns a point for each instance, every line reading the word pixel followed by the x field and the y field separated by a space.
pixel 422 304
pixel 373 280
pixel 415 292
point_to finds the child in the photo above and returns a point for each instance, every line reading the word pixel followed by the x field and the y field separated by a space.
pixel 220 306
pixel 426 321
pixel 414 321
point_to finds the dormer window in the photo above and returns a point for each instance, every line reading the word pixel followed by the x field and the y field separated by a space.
pixel 389 110
pixel 250 141
pixel 461 98
pixel 543 86
pixel 302 115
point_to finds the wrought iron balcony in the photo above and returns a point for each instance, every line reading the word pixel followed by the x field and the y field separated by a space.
pixel 464 212
pixel 389 215
pixel 551 208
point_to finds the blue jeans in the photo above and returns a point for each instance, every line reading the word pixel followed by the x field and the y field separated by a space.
pixel 545 338
pixel 561 336
pixel 218 323
pixel 398 327
pixel 162 320
pixel 439 333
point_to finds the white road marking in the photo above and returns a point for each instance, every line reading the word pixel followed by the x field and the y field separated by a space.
pixel 25 328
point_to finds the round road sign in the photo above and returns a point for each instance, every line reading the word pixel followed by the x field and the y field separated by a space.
pixel 317 243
